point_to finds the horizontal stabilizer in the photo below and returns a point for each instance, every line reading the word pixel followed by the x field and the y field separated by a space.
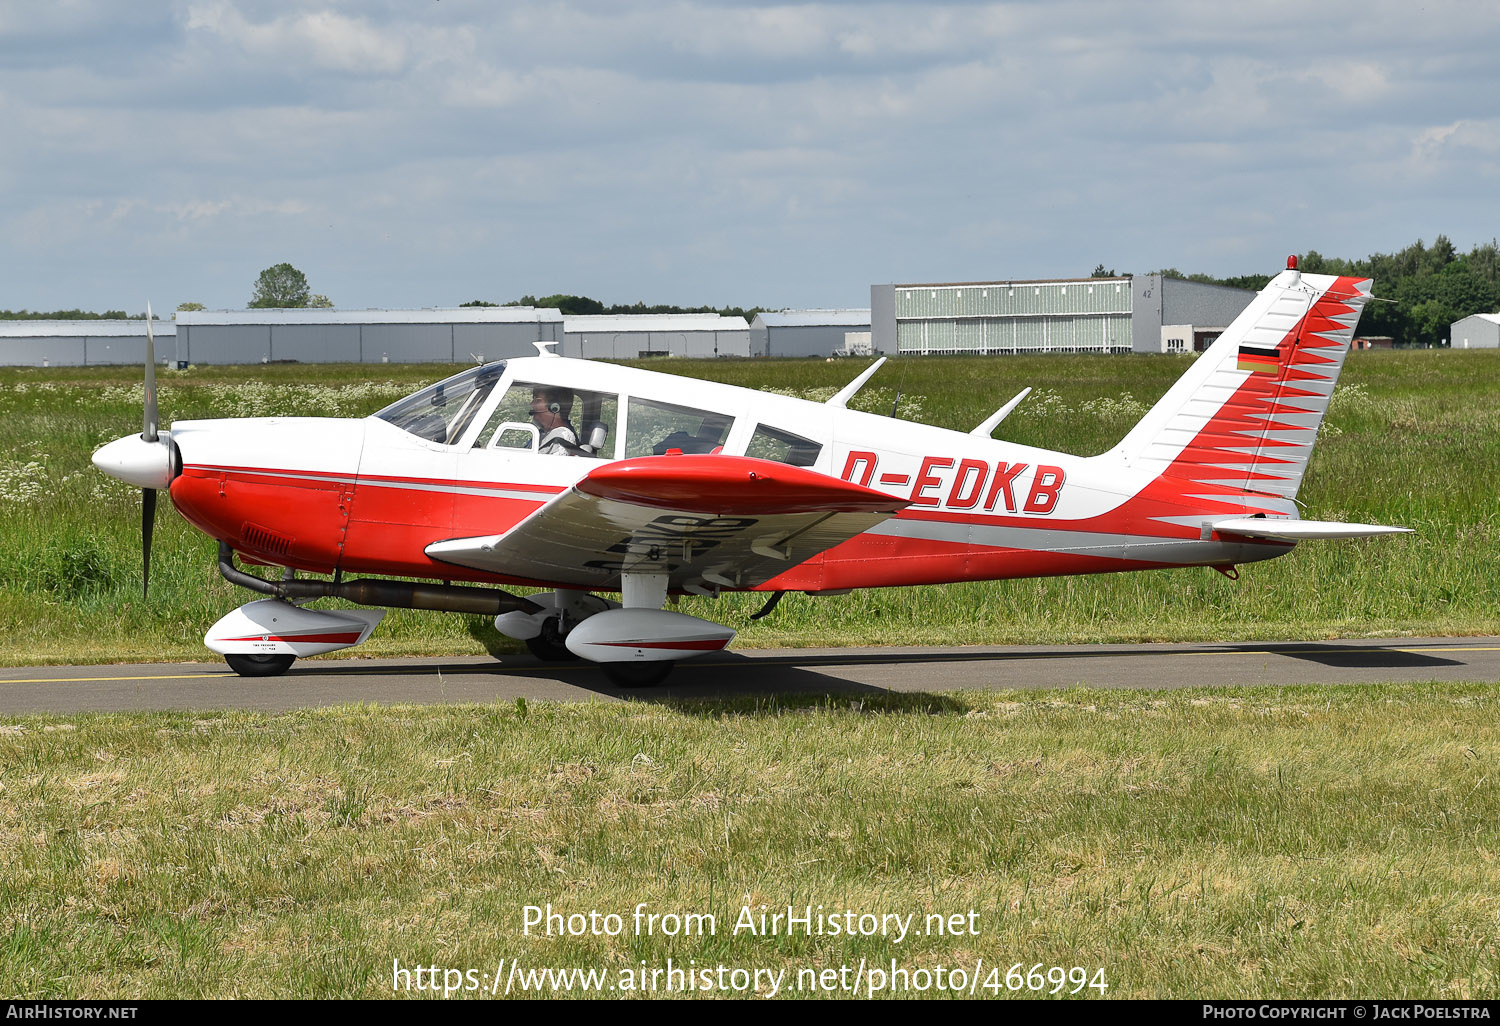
pixel 1302 530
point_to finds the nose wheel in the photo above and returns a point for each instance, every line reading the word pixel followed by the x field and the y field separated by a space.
pixel 550 645
pixel 260 665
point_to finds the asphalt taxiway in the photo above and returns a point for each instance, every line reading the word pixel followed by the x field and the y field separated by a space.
pixel 322 682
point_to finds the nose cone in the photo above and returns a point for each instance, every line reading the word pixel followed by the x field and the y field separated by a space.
pixel 136 461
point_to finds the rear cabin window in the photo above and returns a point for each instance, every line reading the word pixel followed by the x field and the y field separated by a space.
pixel 654 428
pixel 780 446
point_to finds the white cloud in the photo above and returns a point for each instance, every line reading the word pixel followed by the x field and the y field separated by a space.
pixel 1482 136
pixel 202 210
pixel 771 152
pixel 323 38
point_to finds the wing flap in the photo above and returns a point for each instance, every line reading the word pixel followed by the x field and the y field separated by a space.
pixel 707 522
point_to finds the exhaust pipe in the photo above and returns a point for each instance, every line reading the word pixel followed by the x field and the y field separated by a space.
pixel 370 592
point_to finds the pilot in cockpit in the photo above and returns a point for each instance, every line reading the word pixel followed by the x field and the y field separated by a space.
pixel 550 408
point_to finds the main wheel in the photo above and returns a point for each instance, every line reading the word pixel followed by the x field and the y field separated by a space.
pixel 260 665
pixel 549 646
pixel 636 675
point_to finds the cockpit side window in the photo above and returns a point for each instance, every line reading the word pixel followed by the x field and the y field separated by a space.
pixel 654 428
pixel 558 420
pixel 770 443
pixel 443 412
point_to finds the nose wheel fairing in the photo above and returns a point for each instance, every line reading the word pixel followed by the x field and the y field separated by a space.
pixel 276 627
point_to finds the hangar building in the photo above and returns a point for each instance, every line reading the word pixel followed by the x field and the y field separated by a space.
pixel 1106 315
pixel 81 343
pixel 1479 331
pixel 633 336
pixel 1145 314
pixel 808 332
pixel 438 335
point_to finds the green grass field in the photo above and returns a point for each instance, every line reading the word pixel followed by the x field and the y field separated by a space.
pixel 1413 438
pixel 1295 842
pixel 1291 842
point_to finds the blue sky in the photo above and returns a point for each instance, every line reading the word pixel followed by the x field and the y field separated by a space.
pixel 428 152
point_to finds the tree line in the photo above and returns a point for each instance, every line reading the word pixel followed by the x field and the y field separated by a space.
pixel 1430 287
pixel 69 315
pixel 573 306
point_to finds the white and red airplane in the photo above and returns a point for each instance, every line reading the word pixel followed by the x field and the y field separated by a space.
pixel 593 479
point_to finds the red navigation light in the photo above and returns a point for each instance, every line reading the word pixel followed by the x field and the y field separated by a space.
pixel 1291 262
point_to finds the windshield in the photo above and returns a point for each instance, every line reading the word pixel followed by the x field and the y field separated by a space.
pixel 443 412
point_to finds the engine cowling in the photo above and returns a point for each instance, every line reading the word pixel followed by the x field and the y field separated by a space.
pixel 646 635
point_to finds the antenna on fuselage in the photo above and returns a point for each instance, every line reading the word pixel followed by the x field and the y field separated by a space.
pixel 542 344
pixel 897 401
pixel 993 420
pixel 841 400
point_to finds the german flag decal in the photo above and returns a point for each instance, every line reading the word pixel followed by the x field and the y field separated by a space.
pixel 1259 361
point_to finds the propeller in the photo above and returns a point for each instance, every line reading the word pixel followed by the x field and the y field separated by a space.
pixel 148 521
pixel 148 434
pixel 149 460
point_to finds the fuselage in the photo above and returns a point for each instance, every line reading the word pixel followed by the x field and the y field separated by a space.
pixel 369 496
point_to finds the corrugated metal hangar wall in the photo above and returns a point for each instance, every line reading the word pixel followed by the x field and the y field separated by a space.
pixel 806 332
pixel 1076 315
pixel 462 335
pixel 1010 317
pixel 1176 315
pixel 81 343
pixel 1480 331
pixel 1148 313
pixel 632 336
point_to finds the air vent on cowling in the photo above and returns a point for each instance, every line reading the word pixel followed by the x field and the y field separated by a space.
pixel 265 541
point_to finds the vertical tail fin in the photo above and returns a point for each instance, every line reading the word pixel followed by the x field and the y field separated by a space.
pixel 1246 414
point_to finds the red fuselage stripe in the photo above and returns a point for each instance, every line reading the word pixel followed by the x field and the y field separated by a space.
pixel 705 645
pixel 454 488
pixel 374 479
pixel 331 639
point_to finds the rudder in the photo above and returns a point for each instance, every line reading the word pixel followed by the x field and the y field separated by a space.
pixel 1247 413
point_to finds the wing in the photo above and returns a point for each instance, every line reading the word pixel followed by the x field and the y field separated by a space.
pixel 707 522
